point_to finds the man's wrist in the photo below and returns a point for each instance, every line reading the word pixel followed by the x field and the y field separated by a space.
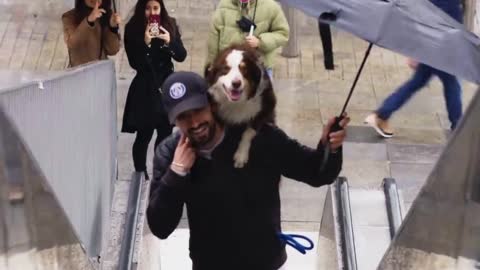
pixel 178 169
pixel 174 179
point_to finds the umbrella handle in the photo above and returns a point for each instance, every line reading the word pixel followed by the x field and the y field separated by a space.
pixel 328 147
pixel 114 4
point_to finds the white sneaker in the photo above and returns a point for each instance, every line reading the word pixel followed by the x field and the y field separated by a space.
pixel 380 125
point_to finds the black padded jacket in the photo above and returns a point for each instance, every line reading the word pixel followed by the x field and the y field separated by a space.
pixel 234 214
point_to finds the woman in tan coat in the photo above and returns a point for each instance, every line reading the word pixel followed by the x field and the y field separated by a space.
pixel 91 31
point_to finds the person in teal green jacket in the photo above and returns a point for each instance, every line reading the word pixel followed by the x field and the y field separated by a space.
pixel 270 33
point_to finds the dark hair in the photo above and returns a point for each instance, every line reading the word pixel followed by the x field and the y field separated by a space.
pixel 139 22
pixel 82 10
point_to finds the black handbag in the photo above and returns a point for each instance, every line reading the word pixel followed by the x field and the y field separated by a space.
pixel 245 23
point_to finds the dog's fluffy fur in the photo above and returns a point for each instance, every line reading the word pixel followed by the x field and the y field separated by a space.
pixel 243 93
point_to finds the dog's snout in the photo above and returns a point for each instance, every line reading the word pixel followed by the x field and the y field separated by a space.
pixel 236 84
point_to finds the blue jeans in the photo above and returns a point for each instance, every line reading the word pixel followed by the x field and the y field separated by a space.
pixel 451 90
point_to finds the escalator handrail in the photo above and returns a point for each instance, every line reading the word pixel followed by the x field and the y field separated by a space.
pixel 349 257
pixel 131 219
pixel 392 200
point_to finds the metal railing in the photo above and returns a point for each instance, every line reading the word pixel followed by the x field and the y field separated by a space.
pixel 35 232
pixel 346 237
pixel 393 205
pixel 68 123
pixel 441 230
pixel 131 221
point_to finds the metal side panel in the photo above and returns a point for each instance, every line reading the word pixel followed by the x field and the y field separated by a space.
pixel 327 244
pixel 442 228
pixel 68 124
pixel 131 219
pixel 35 231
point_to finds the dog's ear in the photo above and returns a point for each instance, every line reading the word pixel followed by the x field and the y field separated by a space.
pixel 256 72
pixel 213 103
pixel 251 57
pixel 208 69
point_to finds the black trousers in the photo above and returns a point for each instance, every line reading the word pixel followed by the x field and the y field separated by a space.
pixel 140 146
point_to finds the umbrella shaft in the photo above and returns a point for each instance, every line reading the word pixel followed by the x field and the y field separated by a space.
pixel 356 78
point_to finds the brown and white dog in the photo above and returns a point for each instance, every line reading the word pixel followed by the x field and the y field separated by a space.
pixel 242 89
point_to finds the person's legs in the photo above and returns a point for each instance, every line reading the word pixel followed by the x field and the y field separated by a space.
pixel 452 92
pixel 140 147
pixel 270 73
pixel 162 133
pixel 396 100
pixel 379 119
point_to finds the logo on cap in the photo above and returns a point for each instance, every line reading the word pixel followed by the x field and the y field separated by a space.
pixel 177 90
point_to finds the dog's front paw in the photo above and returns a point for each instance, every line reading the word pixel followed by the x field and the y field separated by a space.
pixel 240 158
pixel 241 155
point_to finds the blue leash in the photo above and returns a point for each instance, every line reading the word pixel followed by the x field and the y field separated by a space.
pixel 290 240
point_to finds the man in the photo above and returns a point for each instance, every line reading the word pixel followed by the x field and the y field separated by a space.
pixel 423 73
pixel 271 30
pixel 233 214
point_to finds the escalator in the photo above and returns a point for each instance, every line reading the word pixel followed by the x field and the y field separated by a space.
pixel 359 225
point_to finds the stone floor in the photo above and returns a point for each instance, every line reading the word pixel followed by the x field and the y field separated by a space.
pixel 308 95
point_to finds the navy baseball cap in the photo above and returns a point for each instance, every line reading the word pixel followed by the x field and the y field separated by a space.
pixel 183 91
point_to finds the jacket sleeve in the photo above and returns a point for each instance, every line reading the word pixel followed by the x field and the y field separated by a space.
pixel 167 192
pixel 136 49
pixel 73 34
pixel 303 163
pixel 278 34
pixel 177 50
pixel 111 41
pixel 214 37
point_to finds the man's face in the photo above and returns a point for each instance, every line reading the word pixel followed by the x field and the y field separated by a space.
pixel 199 125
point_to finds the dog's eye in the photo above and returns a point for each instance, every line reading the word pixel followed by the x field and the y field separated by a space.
pixel 225 69
pixel 243 67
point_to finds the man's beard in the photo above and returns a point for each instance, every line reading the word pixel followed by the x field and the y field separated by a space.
pixel 201 141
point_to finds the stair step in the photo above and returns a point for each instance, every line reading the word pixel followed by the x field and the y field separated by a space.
pixel 370 226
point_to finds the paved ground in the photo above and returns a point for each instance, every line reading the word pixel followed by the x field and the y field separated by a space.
pixel 31 39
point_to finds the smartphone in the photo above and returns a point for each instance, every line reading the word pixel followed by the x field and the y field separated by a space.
pixel 154 22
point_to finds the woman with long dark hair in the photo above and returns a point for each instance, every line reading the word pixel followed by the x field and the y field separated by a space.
pixel 91 31
pixel 150 53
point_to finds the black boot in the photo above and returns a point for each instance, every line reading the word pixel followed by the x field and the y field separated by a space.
pixel 146 175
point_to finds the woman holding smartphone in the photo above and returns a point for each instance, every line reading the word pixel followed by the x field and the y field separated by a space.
pixel 152 40
pixel 90 31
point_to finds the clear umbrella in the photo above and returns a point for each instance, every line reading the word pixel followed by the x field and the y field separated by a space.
pixel 415 28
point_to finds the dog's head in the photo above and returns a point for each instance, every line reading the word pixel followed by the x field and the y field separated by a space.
pixel 235 74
